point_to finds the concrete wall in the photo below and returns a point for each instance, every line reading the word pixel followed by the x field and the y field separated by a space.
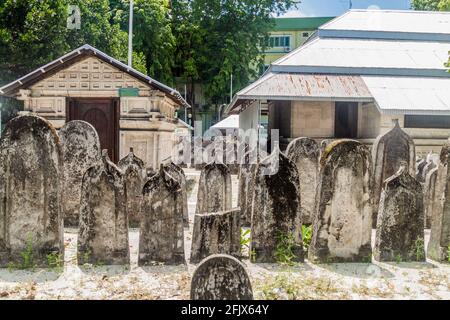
pixel 312 119
pixel 369 119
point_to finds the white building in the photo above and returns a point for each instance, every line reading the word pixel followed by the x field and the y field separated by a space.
pixel 354 76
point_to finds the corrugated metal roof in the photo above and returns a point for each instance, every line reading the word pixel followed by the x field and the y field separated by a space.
pixel 302 23
pixel 392 21
pixel 232 122
pixel 86 49
pixel 410 95
pixel 361 56
pixel 284 86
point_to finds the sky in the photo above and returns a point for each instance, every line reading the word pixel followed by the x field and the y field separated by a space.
pixel 331 8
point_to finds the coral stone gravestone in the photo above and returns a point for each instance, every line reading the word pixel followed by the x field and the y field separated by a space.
pixel 429 196
pixel 162 232
pixel 246 176
pixel 30 196
pixel 221 277
pixel 103 232
pixel 400 228
pixel 134 174
pixel 214 190
pixel 177 172
pixel 276 217
pixel 440 221
pixel 80 147
pixel 216 233
pixel 342 225
pixel 388 152
pixel 305 152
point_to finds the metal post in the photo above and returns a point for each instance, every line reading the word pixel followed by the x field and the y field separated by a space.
pixel 130 35
pixel 231 88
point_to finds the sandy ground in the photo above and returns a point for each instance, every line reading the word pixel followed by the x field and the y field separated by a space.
pixel 270 281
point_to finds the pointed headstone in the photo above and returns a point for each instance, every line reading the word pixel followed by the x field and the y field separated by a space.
pixel 103 232
pixel 177 172
pixel 80 147
pixel 388 152
pixel 31 220
pixel 276 216
pixel 429 197
pixel 305 152
pixel 134 174
pixel 400 227
pixel 162 232
pixel 342 224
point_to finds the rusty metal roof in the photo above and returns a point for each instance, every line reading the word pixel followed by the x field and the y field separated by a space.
pixel 307 87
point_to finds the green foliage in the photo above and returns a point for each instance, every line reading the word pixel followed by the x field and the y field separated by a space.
pixel 448 253
pixel 431 5
pixel 27 262
pixel 55 261
pixel 306 236
pixel 245 240
pixel 285 249
pixel 418 250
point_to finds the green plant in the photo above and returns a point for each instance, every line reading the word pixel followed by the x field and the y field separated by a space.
pixel 448 253
pixel 398 258
pixel 286 245
pixel 245 240
pixel 306 236
pixel 253 255
pixel 418 249
pixel 54 261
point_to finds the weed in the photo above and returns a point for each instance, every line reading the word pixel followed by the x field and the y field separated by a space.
pixel 245 240
pixel 285 249
pixel 418 250
pixel 398 258
pixel 306 236
pixel 54 261
pixel 448 253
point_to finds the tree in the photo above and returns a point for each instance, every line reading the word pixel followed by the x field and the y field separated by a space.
pixel 431 5
pixel 217 38
pixel 152 35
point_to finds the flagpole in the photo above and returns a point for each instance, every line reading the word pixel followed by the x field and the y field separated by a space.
pixel 130 35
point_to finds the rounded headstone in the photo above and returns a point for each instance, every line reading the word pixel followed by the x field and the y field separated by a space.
pixel 221 277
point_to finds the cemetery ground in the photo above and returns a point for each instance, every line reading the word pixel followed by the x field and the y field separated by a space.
pixel 304 281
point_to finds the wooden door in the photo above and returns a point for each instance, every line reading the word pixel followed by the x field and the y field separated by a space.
pixel 346 120
pixel 103 115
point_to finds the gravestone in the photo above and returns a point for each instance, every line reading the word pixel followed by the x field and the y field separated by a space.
pixel 400 227
pixel 246 177
pixel 305 152
pixel 30 195
pixel 388 151
pixel 342 225
pixel 440 219
pixel 103 232
pixel 162 232
pixel 214 190
pixel 429 196
pixel 216 233
pixel 420 165
pixel 80 147
pixel 175 171
pixel 221 277
pixel 276 216
pixel 134 174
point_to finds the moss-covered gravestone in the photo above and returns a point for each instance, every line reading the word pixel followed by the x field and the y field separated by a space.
pixel 80 147
pixel 162 232
pixel 216 233
pixel 429 196
pixel 103 232
pixel 177 172
pixel 388 152
pixel 134 174
pixel 276 217
pixel 305 152
pixel 31 221
pixel 221 277
pixel 400 227
pixel 438 246
pixel 343 224
pixel 214 190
